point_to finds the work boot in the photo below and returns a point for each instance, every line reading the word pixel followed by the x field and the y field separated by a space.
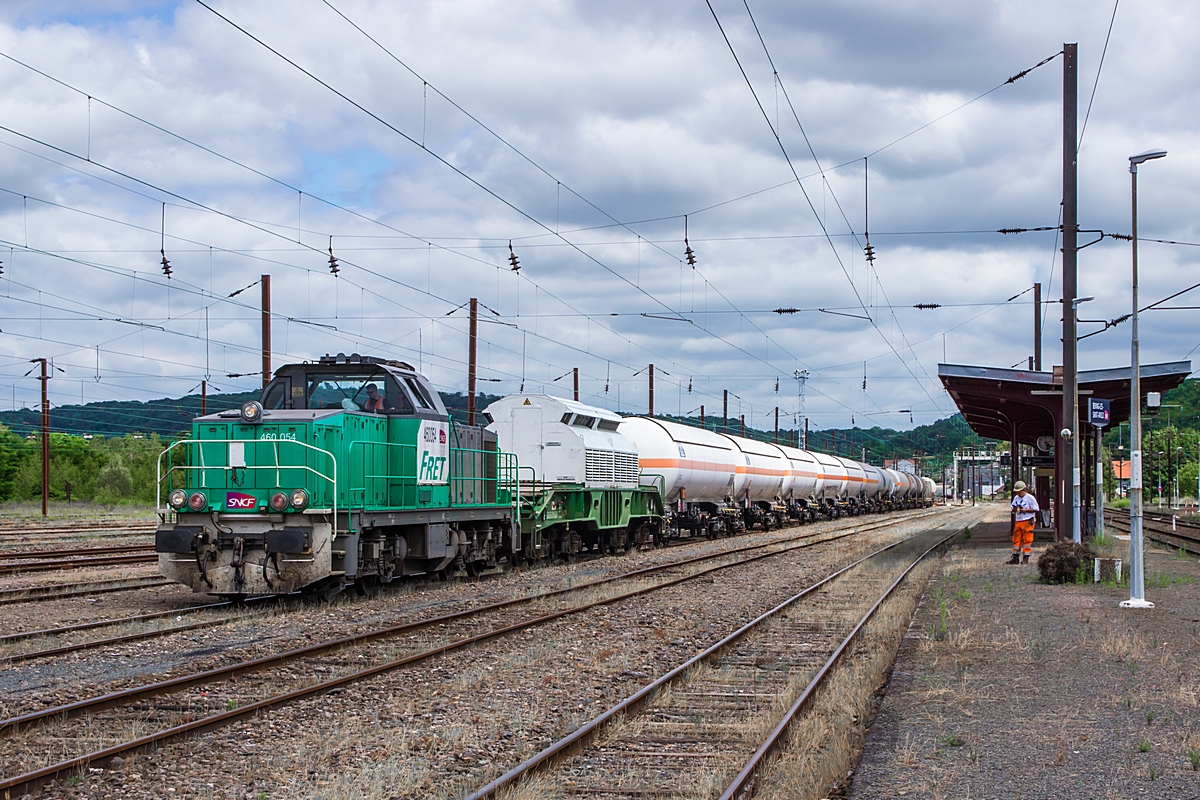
pixel 1016 559
pixel 1025 559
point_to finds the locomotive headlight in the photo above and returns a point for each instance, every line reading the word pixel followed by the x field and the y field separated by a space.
pixel 197 502
pixel 252 412
pixel 299 499
pixel 279 502
pixel 178 499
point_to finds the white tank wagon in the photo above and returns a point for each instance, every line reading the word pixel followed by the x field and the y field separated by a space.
pixel 760 482
pixel 801 487
pixel 699 472
pixel 580 485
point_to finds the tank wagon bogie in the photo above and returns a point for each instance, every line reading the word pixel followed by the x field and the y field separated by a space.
pixel 346 471
pixel 580 483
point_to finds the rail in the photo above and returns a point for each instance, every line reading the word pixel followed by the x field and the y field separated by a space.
pixel 577 739
pixel 1169 530
pixel 32 780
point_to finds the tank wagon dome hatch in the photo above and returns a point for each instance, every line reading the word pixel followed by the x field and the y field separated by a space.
pixel 337 383
pixel 564 441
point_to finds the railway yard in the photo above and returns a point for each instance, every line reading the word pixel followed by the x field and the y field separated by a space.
pixel 705 669
pixel 666 667
pixel 444 401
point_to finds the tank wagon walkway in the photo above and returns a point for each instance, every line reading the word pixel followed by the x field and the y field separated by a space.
pixel 1005 687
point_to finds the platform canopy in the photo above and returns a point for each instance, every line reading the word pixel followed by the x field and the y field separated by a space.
pixel 1021 405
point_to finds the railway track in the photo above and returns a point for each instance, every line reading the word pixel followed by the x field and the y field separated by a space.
pixel 63 649
pixel 700 719
pixel 126 526
pixel 298 673
pixel 58 591
pixel 1176 534
pixel 53 560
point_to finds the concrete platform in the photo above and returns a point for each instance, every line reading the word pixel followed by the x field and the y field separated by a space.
pixel 1005 687
pixel 998 535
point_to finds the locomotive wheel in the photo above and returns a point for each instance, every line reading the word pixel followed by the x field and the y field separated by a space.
pixel 473 568
pixel 366 585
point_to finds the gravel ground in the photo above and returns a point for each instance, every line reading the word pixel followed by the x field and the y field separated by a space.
pixel 1009 688
pixel 260 633
pixel 455 721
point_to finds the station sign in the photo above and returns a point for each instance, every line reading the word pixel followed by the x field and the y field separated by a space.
pixel 1037 461
pixel 1098 411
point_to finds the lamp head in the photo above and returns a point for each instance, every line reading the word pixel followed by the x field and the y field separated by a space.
pixel 1141 158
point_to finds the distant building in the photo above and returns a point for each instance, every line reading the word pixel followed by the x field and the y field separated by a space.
pixel 1121 474
pixel 901 465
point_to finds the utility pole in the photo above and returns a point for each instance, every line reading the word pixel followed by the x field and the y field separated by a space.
pixel 203 397
pixel 806 433
pixel 725 412
pixel 576 370
pixel 651 390
pixel 743 421
pixel 471 361
pixel 266 329
pixel 1037 326
pixel 776 424
pixel 1069 481
pixel 701 416
pixel 45 438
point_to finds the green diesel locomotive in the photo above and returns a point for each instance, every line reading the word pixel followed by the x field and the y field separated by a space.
pixel 348 471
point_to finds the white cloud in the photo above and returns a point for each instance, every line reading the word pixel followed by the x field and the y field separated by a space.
pixel 640 109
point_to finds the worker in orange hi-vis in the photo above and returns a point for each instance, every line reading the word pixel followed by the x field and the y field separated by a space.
pixel 1024 510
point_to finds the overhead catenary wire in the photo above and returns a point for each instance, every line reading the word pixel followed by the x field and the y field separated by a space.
pixel 807 199
pixel 471 179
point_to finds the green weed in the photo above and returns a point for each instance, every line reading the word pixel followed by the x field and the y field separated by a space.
pixel 1149 717
pixel 953 740
pixel 943 628
pixel 963 594
pixel 1153 774
pixel 1131 664
pixel 1144 746
pixel 967 532
pixel 231 704
pixel 1102 540
pixel 1194 757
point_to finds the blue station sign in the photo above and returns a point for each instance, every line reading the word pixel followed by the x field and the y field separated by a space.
pixel 1098 411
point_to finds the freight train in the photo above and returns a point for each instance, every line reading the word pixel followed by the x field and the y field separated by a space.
pixel 349 471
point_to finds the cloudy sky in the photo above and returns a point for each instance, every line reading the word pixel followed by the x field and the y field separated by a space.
pixel 583 133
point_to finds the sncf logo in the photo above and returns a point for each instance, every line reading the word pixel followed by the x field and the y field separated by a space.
pixel 441 437
pixel 239 500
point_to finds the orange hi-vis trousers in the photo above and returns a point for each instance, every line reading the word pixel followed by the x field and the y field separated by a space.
pixel 1022 537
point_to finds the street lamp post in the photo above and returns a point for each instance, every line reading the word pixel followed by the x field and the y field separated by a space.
pixel 1137 577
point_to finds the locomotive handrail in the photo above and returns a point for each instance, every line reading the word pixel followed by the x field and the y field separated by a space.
pixel 350 490
pixel 277 466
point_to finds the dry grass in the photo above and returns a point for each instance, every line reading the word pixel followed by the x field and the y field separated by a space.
pixel 825 742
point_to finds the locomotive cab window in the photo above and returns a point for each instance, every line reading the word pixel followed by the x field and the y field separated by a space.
pixel 608 425
pixel 276 395
pixel 583 422
pixel 418 392
pixel 376 393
